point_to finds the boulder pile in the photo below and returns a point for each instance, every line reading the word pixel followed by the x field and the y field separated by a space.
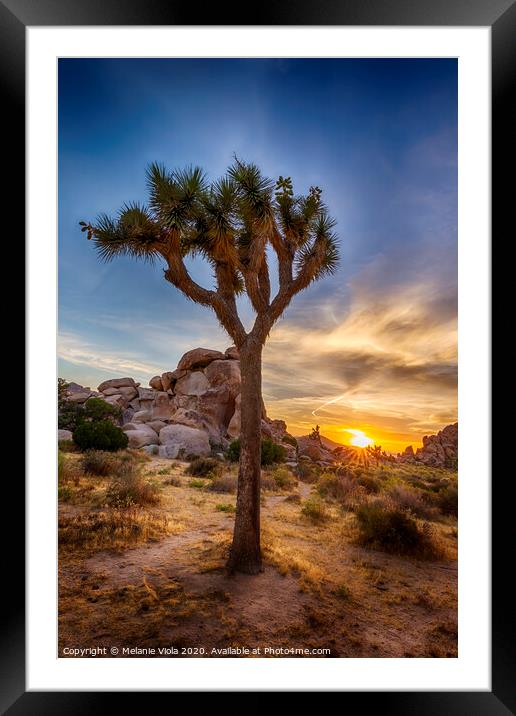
pixel 440 450
pixel 190 411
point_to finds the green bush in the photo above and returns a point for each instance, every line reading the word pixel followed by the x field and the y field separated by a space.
pixel 198 484
pixel 98 409
pixel 70 415
pixel 225 507
pixel 101 435
pixel 204 467
pixel 289 440
pixel 270 452
pixel 394 531
pixel 233 451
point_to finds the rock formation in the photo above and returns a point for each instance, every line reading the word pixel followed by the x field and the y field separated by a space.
pixel 189 411
pixel 439 450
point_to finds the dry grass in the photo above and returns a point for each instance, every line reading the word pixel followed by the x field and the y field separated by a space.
pixel 115 529
pixel 331 590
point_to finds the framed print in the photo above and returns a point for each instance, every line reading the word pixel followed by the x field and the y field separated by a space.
pixel 258 254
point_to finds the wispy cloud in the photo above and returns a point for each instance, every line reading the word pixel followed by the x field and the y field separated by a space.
pixel 73 349
pixel 390 361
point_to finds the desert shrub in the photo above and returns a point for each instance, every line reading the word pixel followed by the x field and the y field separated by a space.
pixel 333 486
pixel 370 484
pixel 68 446
pixel 113 528
pixel 394 531
pixel 223 483
pixel 225 507
pixel 342 591
pixel 267 481
pixel 448 500
pixel 131 489
pixel 174 481
pixel 314 510
pixel 289 440
pixel 283 478
pixel 64 493
pixel 294 497
pixel 233 451
pixel 70 415
pixel 307 473
pixel 97 409
pixel 204 467
pixel 345 490
pixel 412 501
pixel 270 452
pixel 103 463
pixel 66 469
pixel 100 435
pixel 197 484
pixel 139 455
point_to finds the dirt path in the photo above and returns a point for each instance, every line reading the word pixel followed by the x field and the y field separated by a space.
pixel 175 592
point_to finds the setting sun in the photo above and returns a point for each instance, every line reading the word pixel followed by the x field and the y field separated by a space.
pixel 359 439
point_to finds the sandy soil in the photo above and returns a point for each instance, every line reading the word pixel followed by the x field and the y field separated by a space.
pixel 318 589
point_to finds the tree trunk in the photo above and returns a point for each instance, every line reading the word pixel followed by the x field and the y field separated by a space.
pixel 245 555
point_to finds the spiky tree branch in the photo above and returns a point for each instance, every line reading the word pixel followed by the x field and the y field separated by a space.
pixel 230 223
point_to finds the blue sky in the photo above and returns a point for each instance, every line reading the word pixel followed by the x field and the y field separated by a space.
pixel 378 136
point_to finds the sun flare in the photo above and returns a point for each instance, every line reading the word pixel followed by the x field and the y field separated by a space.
pixel 359 439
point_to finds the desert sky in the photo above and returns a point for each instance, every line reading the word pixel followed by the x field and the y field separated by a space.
pixel 373 348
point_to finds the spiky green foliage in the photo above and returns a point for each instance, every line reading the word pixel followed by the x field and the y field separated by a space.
pixel 231 223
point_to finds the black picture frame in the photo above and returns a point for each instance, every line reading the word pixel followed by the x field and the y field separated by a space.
pixel 500 15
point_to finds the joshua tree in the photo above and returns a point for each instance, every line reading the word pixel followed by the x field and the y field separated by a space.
pixel 235 223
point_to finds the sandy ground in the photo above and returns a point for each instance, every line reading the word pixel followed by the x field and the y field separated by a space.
pixel 318 590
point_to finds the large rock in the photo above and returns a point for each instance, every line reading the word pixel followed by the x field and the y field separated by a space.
pixel 139 438
pixel 161 408
pixel 156 425
pixel 167 380
pixel 117 383
pixel 217 406
pixel 129 393
pixel 127 415
pixel 195 383
pixel 186 416
pixel 224 372
pixel 142 416
pixel 181 441
pixel 64 435
pixel 198 358
pixel 146 393
pixel 156 383
pixel 118 401
pixel 439 450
